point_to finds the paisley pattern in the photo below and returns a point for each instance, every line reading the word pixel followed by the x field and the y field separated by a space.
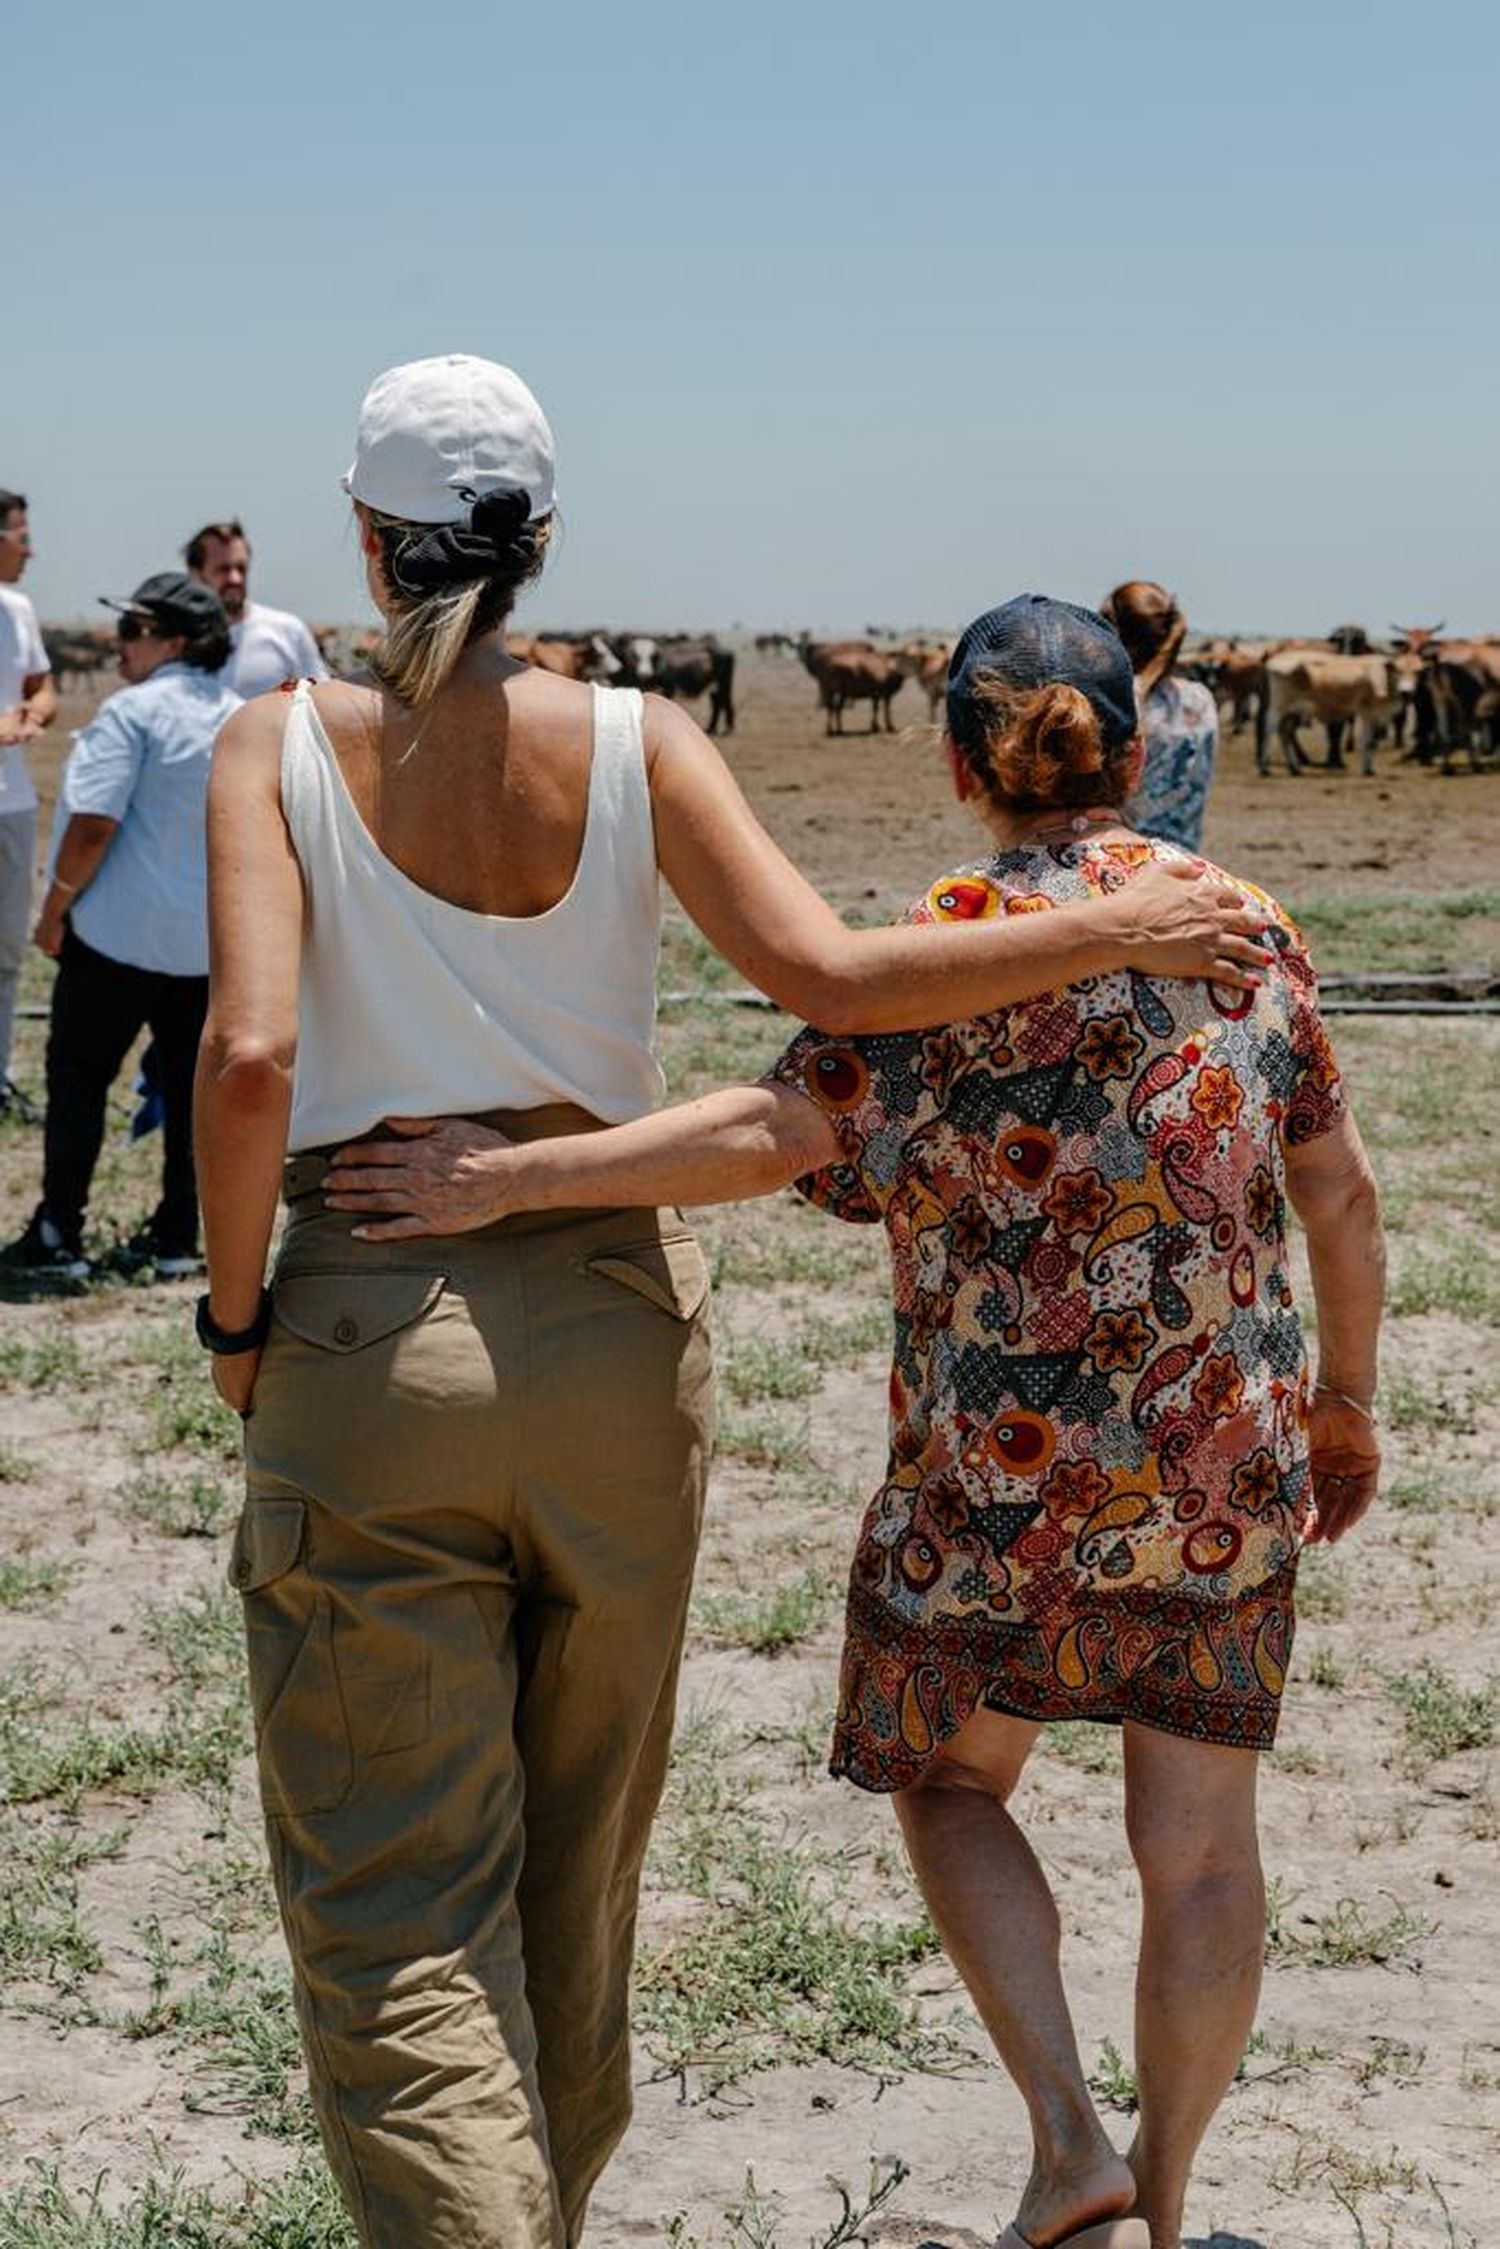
pixel 1097 1483
pixel 1180 726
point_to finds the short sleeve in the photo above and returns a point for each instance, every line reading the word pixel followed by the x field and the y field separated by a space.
pixel 878 1090
pixel 105 762
pixel 34 657
pixel 1316 1101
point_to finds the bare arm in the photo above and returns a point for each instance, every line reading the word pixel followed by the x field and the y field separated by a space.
pixel 1332 1190
pixel 243 1091
pixel 80 855
pixel 754 906
pixel 446 1176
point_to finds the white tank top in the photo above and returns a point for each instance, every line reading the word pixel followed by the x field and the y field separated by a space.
pixel 411 1006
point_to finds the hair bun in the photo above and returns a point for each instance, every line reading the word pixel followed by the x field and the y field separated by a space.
pixel 498 516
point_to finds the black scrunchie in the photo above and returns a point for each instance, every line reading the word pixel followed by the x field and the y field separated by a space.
pixel 452 553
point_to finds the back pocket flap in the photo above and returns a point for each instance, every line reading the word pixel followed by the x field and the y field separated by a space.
pixel 670 1274
pixel 267 1541
pixel 346 1311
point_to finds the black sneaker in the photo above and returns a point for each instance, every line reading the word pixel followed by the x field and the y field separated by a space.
pixel 169 1260
pixel 45 1252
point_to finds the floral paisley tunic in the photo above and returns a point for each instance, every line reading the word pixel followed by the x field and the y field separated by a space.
pixel 1098 1478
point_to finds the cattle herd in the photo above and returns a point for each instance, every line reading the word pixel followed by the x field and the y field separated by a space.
pixel 1432 699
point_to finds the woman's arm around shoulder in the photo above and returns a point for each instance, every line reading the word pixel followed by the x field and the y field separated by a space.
pixel 242 1094
pixel 751 902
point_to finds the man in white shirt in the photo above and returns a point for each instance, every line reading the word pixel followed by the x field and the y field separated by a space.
pixel 28 702
pixel 267 645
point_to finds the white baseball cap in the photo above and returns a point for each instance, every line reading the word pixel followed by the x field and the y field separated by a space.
pixel 437 434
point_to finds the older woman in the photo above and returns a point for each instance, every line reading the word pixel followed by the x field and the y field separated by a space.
pixel 1179 717
pixel 1106 1451
pixel 464 1601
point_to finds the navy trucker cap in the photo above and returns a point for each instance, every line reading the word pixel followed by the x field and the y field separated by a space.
pixel 174 602
pixel 1034 641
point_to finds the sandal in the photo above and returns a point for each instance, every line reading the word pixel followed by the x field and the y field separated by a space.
pixel 1106 2233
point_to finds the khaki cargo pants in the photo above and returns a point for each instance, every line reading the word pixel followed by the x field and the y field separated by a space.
pixel 475 1475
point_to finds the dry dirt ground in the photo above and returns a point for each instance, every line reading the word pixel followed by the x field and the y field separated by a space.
pixel 796 2021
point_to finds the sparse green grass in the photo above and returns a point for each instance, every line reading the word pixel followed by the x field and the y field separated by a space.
pixel 195 1506
pixel 772 1973
pixel 1093 1748
pixel 1440 1716
pixel 1425 931
pixel 753 2221
pixel 763 1367
pixel 767 1622
pixel 1320 1586
pixel 1112 2080
pixel 50 1359
pixel 1324 1668
pixel 1436 1404
pixel 302 2211
pixel 185 1412
pixel 1351 1935
pixel 1454 1277
pixel 764 1440
pixel 235 2016
pixel 44 1936
pixel 16 1467
pixel 28 1584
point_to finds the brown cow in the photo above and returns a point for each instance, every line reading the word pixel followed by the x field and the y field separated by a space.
pixel 925 659
pixel 1461 681
pixel 852 671
pixel 1362 692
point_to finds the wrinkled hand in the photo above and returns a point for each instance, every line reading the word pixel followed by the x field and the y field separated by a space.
pixel 17 726
pixel 1178 921
pixel 440 1175
pixel 1345 1454
pixel 234 1376
pixel 51 926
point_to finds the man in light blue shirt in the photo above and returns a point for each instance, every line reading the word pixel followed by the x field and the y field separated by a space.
pixel 126 918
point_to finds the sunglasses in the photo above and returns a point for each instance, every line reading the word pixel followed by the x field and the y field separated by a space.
pixel 136 628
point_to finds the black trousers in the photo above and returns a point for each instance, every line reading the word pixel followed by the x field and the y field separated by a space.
pixel 99 1008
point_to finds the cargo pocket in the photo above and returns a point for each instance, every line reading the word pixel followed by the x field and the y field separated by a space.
pixel 671 1273
pixel 301 1734
pixel 346 1312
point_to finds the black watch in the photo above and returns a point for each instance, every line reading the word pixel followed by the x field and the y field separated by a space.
pixel 225 1342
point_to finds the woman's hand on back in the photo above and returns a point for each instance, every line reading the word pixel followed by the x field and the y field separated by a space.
pixel 436 1175
pixel 1175 920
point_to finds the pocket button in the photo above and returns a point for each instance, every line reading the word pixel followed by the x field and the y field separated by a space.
pixel 345 1330
pixel 240 1569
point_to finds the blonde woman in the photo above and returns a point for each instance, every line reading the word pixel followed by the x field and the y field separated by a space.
pixel 475 1469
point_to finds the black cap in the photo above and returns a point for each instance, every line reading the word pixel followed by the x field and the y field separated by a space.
pixel 1034 641
pixel 174 602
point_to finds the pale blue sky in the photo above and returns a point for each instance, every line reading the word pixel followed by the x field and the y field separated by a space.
pixel 840 313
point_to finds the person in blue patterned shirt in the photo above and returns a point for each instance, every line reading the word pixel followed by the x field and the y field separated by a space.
pixel 1179 718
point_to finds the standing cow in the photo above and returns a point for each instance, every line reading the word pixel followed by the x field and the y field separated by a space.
pixel 852 671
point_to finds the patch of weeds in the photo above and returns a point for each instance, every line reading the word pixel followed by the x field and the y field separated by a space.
pixel 16 1467
pixel 763 1367
pixel 1349 1935
pixel 1399 930
pixel 1283 2057
pixel 763 1440
pixel 774 1975
pixel 837 1342
pixel 49 1360
pixel 1296 1757
pixel 1091 1747
pixel 186 1412
pixel 769 1621
pixel 201 1637
pixel 236 2016
pixel 1453 1280
pixel 1324 1669
pixel 1441 1717
pixel 44 1937
pixel 1435 1405
pixel 753 2222
pixel 301 2211
pixel 196 1506
pixel 1112 2080
pixel 1389 2058
pixel 1320 1585
pixel 25 1584
pixel 49 1754
pixel 780 1264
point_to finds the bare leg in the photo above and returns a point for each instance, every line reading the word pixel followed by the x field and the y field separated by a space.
pixel 989 1899
pixel 1190 1813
